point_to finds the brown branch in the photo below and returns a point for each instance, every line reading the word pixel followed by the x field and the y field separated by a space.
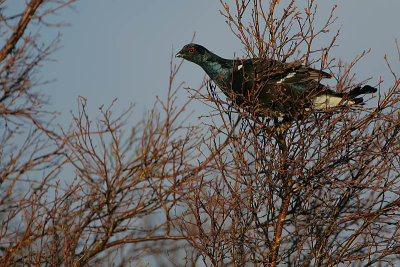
pixel 278 229
pixel 20 28
pixel 146 239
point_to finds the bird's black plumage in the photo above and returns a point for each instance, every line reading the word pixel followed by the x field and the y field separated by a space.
pixel 271 87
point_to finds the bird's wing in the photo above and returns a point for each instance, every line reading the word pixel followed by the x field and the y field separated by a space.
pixel 275 71
pixel 302 74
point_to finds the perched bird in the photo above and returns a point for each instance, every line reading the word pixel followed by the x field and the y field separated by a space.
pixel 269 87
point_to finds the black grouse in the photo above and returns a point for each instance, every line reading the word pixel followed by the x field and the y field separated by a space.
pixel 269 87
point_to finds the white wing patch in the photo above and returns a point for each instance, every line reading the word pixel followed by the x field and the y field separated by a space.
pixel 290 75
pixel 329 101
pixel 240 66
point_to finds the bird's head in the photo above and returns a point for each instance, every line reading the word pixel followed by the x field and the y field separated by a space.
pixel 194 53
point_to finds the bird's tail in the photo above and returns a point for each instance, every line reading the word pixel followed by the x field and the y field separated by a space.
pixel 367 89
pixel 331 99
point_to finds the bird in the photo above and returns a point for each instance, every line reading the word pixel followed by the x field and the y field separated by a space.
pixel 269 87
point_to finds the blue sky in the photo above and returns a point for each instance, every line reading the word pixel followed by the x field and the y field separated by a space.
pixel 122 48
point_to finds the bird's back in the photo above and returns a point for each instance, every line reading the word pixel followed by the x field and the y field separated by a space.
pixel 277 88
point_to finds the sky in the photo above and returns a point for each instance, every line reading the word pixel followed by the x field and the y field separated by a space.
pixel 122 48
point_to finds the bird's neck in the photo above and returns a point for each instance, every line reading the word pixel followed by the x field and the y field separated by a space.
pixel 217 67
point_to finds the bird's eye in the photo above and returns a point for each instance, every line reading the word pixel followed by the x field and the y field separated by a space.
pixel 191 49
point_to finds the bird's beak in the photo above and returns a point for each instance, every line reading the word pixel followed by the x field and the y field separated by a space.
pixel 178 55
